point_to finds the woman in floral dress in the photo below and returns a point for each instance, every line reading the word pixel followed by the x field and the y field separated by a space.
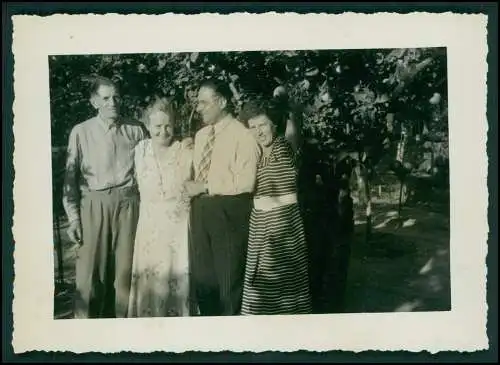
pixel 160 273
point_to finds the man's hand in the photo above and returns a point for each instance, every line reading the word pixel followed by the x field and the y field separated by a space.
pixel 75 232
pixel 188 143
pixel 192 188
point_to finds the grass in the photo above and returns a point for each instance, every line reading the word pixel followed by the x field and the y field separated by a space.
pixel 403 268
pixel 63 296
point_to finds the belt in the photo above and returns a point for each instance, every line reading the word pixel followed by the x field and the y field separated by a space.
pixel 267 203
pixel 113 190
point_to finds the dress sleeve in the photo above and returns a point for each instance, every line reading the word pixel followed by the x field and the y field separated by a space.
pixel 287 155
pixel 139 152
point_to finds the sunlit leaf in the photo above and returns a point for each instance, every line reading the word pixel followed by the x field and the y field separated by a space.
pixel 194 57
pixel 313 71
pixel 305 84
pixel 141 67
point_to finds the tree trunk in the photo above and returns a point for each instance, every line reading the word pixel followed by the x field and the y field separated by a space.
pixel 364 193
pixel 368 210
pixel 400 158
pixel 400 154
pixel 60 268
pixel 433 158
pixel 400 201
pixel 401 150
pixel 347 129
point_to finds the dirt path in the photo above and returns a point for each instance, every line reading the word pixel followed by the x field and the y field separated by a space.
pixel 403 269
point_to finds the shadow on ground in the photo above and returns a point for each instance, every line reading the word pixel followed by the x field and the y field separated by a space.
pixel 404 267
pixel 401 269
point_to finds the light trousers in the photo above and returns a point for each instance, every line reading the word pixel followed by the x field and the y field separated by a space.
pixel 104 262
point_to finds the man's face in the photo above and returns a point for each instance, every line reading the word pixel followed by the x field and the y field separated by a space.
pixel 107 102
pixel 210 105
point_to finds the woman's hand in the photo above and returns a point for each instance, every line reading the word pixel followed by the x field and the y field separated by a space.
pixel 193 188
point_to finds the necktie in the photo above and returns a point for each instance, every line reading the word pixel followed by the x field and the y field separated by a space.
pixel 206 156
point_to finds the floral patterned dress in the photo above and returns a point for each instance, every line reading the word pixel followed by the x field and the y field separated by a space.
pixel 160 272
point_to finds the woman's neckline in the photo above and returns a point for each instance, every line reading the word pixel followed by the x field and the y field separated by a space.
pixel 160 147
pixel 162 154
pixel 266 157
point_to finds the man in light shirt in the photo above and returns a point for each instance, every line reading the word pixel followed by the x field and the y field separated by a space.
pixel 102 204
pixel 225 165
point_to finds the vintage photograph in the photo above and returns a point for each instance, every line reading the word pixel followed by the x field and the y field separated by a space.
pixel 239 183
pixel 268 182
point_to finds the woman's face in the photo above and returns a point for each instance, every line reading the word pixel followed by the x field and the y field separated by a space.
pixel 263 130
pixel 161 128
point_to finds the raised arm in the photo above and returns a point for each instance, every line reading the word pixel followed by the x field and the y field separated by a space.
pixel 290 157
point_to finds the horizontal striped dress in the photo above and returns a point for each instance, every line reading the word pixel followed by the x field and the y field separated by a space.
pixel 276 275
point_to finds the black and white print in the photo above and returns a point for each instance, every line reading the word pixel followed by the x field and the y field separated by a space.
pixel 367 131
pixel 222 189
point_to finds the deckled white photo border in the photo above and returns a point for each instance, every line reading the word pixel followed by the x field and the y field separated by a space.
pixel 35 38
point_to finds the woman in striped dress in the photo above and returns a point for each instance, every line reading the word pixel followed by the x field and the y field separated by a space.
pixel 276 276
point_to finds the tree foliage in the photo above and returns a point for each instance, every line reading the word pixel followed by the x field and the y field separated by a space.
pixel 351 103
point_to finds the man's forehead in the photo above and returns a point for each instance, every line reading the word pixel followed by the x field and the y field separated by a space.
pixel 206 93
pixel 107 90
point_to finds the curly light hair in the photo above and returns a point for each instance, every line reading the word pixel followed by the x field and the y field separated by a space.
pixel 162 104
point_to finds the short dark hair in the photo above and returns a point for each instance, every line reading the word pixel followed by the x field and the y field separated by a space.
pixel 222 89
pixel 95 82
pixel 273 109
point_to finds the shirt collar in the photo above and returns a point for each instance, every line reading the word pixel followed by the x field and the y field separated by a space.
pixel 107 125
pixel 223 123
